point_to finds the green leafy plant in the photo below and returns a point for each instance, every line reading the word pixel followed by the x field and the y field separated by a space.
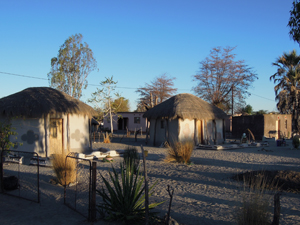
pixel 123 196
pixel 131 157
pixel 6 130
pixel 180 152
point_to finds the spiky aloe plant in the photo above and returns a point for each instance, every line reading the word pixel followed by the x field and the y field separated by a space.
pixel 131 157
pixel 123 196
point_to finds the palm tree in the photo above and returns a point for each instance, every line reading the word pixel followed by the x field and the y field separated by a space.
pixel 287 86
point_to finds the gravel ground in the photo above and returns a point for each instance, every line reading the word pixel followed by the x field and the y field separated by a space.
pixel 203 192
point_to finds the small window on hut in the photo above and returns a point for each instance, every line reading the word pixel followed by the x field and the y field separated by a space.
pixel 53 129
pixel 162 124
pixel 285 124
pixel 137 120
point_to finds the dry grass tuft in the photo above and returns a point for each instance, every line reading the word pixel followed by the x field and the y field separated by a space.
pixel 61 167
pixel 106 138
pixel 255 208
pixel 180 152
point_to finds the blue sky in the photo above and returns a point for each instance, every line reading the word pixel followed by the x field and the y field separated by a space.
pixel 136 41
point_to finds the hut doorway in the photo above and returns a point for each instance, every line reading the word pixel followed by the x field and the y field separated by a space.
pixel 122 123
pixel 199 132
pixel 56 134
pixel 278 128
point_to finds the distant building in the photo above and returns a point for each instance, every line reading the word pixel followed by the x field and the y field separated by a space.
pixel 123 121
pixel 265 125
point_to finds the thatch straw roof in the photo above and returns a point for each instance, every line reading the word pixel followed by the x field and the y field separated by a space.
pixel 37 101
pixel 185 106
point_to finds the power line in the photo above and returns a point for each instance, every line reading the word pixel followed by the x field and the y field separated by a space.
pixel 39 78
pixel 19 75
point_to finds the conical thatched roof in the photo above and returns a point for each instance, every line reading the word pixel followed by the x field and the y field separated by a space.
pixel 185 106
pixel 37 101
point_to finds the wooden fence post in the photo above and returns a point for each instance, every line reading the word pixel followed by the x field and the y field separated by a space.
pixel 276 209
pixel 93 193
pixel 146 187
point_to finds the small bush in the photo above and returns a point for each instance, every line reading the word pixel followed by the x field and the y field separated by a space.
pixel 131 157
pixel 60 168
pixel 255 208
pixel 123 197
pixel 106 138
pixel 180 152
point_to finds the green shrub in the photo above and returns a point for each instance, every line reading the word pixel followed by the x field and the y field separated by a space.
pixel 180 152
pixel 131 157
pixel 123 196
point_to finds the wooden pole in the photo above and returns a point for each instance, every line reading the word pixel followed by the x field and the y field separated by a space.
pixel 146 188
pixel 276 209
pixel 93 197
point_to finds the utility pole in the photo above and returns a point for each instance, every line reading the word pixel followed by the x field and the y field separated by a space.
pixel 232 100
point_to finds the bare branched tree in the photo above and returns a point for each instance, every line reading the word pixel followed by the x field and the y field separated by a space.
pixel 222 80
pixel 159 90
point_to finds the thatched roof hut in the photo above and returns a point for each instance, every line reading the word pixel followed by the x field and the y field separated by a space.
pixel 186 117
pixel 48 121
pixel 38 101
pixel 185 106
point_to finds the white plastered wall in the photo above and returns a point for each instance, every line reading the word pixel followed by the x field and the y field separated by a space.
pixel 79 133
pixel 31 134
pixel 186 130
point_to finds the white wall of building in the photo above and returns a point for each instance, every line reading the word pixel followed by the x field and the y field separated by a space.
pixel 186 130
pixel 135 121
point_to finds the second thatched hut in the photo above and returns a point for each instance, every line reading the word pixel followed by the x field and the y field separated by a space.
pixel 186 117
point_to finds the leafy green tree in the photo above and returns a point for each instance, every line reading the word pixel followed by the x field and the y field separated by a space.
pixel 246 110
pixel 261 112
pixel 70 69
pixel 103 99
pixel 222 80
pixel 121 104
pixel 6 131
pixel 294 22
pixel 287 85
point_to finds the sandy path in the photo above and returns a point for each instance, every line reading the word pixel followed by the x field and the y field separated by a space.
pixel 203 192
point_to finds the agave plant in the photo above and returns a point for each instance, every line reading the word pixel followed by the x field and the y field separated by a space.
pixel 123 196
pixel 131 157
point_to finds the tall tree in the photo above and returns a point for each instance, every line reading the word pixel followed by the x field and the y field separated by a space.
pixel 222 80
pixel 247 110
pixel 287 86
pixel 159 90
pixel 107 100
pixel 121 104
pixel 69 70
pixel 294 22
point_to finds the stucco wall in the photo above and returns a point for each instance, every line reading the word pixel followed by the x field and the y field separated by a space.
pixel 173 127
pixel 31 134
pixel 186 129
pixel 262 125
pixel 34 138
pixel 79 133
pixel 278 126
